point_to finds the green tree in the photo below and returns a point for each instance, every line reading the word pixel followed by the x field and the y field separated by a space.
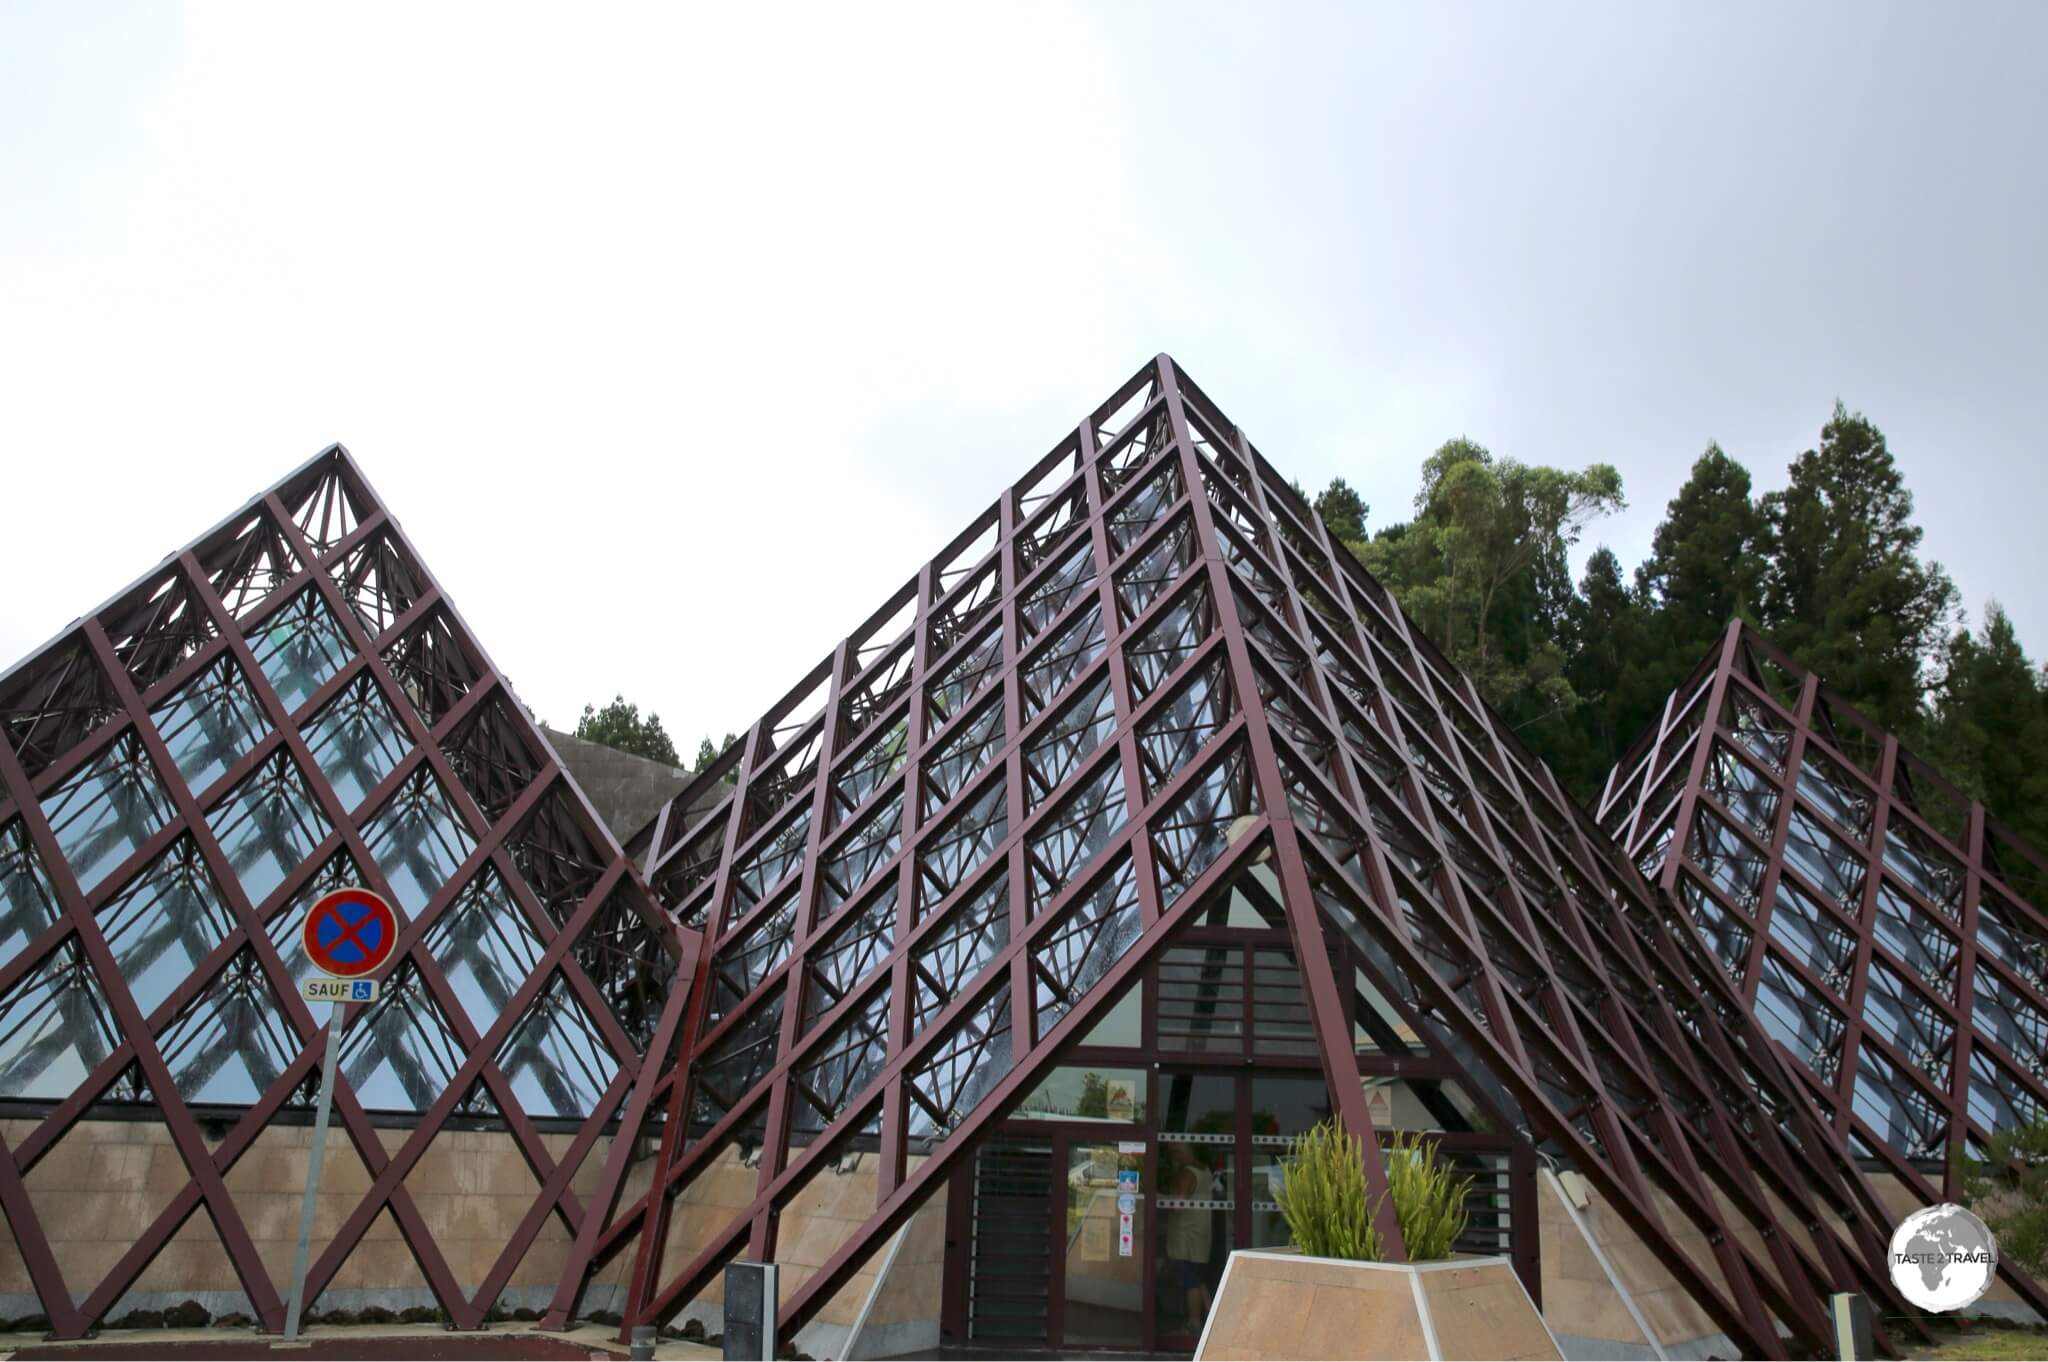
pixel 708 752
pixel 1845 591
pixel 1482 566
pixel 2010 1190
pixel 1988 725
pixel 1094 1096
pixel 1343 511
pixel 1704 567
pixel 619 725
pixel 1628 647
pixel 1614 668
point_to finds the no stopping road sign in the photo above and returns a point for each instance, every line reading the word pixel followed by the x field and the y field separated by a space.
pixel 350 932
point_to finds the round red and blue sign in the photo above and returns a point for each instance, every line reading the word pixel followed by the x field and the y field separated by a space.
pixel 350 932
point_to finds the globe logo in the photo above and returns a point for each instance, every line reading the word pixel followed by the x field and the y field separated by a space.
pixel 1942 1258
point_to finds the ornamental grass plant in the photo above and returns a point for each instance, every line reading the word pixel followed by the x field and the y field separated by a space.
pixel 1322 1195
pixel 1429 1196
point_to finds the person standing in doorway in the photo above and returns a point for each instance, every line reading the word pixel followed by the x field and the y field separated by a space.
pixel 1187 1230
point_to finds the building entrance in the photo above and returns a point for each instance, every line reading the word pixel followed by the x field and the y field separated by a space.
pixel 1111 1230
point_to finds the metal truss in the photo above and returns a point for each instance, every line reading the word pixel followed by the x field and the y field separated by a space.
pixel 1144 671
pixel 288 703
pixel 1881 925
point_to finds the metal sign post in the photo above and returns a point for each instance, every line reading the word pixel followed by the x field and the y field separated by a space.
pixel 299 1263
pixel 349 933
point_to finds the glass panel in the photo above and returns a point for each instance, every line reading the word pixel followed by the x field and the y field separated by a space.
pixel 747 958
pixel 1997 1100
pixel 1285 1105
pixel 1377 1028
pixel 879 760
pixel 961 1069
pixel 1197 1195
pixel 55 1028
pixel 737 1061
pixel 1896 1011
pixel 1059 747
pixel 106 810
pixel 2003 931
pixel 357 741
pixel 1812 936
pixel 838 1069
pixel 557 1062
pixel 1068 840
pixel 1281 1024
pixel 1747 795
pixel 1201 999
pixel 485 946
pixel 1798 1018
pixel 233 1043
pixel 1826 860
pixel 164 923
pixel 951 958
pixel 1901 1115
pixel 1105 1278
pixel 299 648
pixel 1726 934
pixel 211 724
pixel 761 869
pixel 963 756
pixel 949 692
pixel 834 965
pixel 960 847
pixel 1081 1093
pixel 1047 596
pixel 1914 935
pixel 418 842
pixel 1085 945
pixel 1923 866
pixel 401 1054
pixel 1836 793
pixel 2007 1016
pixel 847 867
pixel 1047 672
pixel 267 826
pixel 28 902
pixel 1120 1026
pixel 1167 642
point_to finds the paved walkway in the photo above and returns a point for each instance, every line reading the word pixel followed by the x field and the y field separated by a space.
pixel 366 1341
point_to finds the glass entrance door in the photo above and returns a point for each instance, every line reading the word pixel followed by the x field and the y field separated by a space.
pixel 1103 1286
pixel 1196 1224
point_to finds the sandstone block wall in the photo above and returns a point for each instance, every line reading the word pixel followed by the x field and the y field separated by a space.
pixel 105 1182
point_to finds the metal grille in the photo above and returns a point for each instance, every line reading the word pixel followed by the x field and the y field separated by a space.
pixel 1009 1282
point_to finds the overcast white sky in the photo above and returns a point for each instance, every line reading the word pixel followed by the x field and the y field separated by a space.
pixel 644 319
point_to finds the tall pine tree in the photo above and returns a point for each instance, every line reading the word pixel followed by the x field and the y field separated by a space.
pixel 1703 569
pixel 1988 731
pixel 1845 591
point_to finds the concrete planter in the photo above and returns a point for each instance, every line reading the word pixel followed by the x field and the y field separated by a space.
pixel 1274 1305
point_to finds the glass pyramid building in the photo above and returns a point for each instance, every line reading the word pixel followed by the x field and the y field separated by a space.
pixel 1135 831
pixel 1879 923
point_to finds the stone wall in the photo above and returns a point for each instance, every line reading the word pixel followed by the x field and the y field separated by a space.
pixel 107 1181
pixel 813 1225
pixel 1587 1254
